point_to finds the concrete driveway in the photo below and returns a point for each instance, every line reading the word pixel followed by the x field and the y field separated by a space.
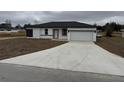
pixel 74 56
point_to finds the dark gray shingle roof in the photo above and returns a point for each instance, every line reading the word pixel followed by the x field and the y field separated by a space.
pixel 64 24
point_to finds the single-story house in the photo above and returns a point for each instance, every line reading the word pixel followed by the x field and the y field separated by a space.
pixel 5 27
pixel 71 31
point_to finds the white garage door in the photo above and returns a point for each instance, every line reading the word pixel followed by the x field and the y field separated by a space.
pixel 81 36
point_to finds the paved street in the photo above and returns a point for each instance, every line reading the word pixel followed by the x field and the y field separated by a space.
pixel 10 72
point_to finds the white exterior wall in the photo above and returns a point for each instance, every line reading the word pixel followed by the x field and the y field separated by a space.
pixel 36 33
pixel 68 36
pixel 42 33
pixel 61 36
pixel 94 36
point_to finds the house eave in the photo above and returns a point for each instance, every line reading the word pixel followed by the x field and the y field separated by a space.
pixel 93 29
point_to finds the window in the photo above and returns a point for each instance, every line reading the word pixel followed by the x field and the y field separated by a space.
pixel 64 32
pixel 46 31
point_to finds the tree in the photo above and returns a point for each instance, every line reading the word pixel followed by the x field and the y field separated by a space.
pixel 26 25
pixel 109 30
pixel 95 25
pixel 115 26
pixel 7 21
pixel 8 24
pixel 18 26
pixel 99 27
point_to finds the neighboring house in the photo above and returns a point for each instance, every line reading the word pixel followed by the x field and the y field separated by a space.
pixel 122 30
pixel 62 30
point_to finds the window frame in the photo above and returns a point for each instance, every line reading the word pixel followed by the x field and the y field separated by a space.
pixel 46 31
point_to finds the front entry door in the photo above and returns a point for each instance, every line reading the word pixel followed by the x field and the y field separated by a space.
pixel 55 33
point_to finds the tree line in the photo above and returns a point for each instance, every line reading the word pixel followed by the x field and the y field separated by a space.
pixel 109 28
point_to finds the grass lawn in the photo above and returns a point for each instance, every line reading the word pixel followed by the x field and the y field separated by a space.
pixel 113 44
pixel 20 46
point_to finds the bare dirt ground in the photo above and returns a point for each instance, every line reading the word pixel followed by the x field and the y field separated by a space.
pixel 113 44
pixel 12 34
pixel 20 46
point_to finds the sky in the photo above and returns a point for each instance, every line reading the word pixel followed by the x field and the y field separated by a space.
pixel 36 17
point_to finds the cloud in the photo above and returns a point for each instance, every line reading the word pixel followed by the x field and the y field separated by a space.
pixel 118 19
pixel 99 17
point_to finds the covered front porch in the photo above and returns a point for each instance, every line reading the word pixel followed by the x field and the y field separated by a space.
pixel 60 34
